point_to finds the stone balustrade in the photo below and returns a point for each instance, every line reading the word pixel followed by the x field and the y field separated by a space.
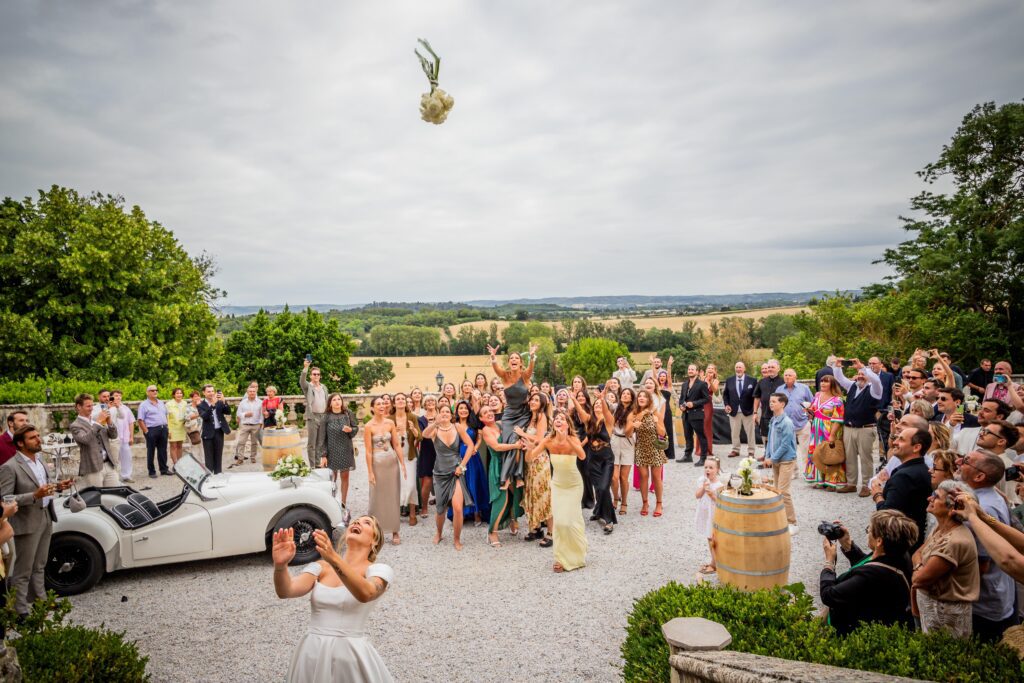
pixel 697 654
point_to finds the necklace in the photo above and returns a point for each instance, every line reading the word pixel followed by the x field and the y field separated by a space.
pixel 445 429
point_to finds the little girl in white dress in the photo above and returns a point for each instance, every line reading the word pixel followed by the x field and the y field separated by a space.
pixel 707 491
pixel 342 594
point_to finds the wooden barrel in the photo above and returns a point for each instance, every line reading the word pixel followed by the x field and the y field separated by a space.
pixel 278 443
pixel 751 539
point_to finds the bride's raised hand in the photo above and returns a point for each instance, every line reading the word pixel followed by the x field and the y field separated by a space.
pixel 325 547
pixel 283 549
pixel 493 350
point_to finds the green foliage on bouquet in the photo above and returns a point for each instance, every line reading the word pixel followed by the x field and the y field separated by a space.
pixel 290 466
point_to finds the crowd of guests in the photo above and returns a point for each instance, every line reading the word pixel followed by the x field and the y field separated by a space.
pixel 527 457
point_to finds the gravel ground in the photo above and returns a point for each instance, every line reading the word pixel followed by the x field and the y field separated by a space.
pixel 481 614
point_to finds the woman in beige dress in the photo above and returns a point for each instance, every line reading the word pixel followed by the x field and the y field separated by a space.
pixel 384 468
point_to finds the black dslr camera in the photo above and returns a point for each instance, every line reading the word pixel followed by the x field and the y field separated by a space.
pixel 1013 473
pixel 831 531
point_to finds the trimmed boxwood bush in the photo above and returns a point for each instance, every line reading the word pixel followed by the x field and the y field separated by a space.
pixel 49 650
pixel 782 623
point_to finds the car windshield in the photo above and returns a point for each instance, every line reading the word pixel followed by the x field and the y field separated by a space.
pixel 192 472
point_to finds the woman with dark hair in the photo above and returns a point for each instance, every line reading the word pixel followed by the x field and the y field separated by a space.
pixel 514 380
pixel 506 500
pixel 601 462
pixel 623 449
pixel 334 445
pixel 826 413
pixel 580 410
pixel 877 586
pixel 476 476
pixel 408 426
pixel 450 488
pixel 665 389
pixel 384 469
pixel 416 402
pixel 480 383
pixel 537 494
pixel 448 392
pixel 648 426
pixel 425 461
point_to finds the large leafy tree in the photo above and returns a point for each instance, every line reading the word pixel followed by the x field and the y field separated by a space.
pixel 591 358
pixel 967 252
pixel 90 288
pixel 270 350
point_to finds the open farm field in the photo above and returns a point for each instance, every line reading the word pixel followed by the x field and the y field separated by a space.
pixel 674 322
pixel 422 370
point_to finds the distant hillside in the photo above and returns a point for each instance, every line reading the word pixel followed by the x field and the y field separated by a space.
pixel 619 303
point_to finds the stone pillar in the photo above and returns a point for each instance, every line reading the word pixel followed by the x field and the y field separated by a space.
pixel 693 634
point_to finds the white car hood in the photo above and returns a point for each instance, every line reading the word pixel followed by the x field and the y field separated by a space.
pixel 238 485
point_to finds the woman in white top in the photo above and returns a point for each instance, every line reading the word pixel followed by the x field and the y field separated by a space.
pixel 342 590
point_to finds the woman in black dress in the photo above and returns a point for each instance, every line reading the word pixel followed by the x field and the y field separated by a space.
pixel 334 444
pixel 425 463
pixel 514 380
pixel 580 411
pixel 601 462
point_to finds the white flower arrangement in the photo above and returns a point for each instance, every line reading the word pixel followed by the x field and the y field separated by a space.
pixel 434 105
pixel 746 471
pixel 290 466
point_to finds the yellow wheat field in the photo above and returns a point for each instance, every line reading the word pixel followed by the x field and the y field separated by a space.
pixel 422 370
pixel 672 322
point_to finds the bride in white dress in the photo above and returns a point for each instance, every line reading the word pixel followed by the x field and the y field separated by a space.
pixel 342 591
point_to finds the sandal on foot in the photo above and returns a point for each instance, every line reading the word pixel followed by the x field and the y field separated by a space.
pixel 608 528
pixel 657 511
pixel 643 510
pixel 546 542
pixel 622 510
pixel 708 569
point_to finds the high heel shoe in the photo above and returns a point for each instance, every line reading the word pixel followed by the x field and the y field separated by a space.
pixel 657 510
pixel 643 510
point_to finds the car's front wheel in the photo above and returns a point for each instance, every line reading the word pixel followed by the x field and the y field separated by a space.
pixel 304 521
pixel 75 564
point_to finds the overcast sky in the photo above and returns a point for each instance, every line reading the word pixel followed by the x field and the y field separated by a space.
pixel 595 147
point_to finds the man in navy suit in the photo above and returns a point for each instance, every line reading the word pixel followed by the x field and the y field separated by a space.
pixel 738 396
pixel 692 398
pixel 215 413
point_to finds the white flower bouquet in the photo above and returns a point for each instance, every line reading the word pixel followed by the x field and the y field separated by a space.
pixel 746 472
pixel 290 466
pixel 434 105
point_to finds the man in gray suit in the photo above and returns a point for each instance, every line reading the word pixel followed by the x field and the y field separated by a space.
pixel 97 466
pixel 25 477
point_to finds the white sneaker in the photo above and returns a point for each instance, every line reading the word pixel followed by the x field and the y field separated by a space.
pixel 793 529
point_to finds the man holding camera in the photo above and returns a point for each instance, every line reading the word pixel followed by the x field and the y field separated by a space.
pixel 215 414
pixel 950 412
pixel 860 421
pixel 98 461
pixel 316 406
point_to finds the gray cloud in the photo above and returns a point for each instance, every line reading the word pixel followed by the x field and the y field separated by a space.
pixel 595 147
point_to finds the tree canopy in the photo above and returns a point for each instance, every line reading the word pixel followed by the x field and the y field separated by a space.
pixel 92 289
pixel 593 359
pixel 270 350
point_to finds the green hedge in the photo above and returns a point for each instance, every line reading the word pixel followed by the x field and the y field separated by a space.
pixel 781 623
pixel 49 650
pixel 64 390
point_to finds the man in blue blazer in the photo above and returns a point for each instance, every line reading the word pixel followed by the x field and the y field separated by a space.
pixel 738 396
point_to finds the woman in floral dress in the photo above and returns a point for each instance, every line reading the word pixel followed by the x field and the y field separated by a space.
pixel 826 413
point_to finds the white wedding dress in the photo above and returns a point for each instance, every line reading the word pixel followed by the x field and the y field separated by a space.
pixel 336 647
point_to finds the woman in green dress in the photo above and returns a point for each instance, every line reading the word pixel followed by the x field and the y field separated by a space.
pixel 506 501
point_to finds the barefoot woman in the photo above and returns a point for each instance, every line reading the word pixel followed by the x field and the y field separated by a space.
pixel 449 470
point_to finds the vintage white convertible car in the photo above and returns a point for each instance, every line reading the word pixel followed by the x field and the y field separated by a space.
pixel 213 516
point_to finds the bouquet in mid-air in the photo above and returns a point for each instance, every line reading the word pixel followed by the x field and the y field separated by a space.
pixel 434 105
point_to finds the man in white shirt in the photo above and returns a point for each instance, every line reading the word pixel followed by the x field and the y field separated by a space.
pixel 625 374
pixel 250 422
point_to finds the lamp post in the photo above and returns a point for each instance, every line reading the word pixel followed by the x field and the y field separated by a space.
pixel 439 378
pixel 49 395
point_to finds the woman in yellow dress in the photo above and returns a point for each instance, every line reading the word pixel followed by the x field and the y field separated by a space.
pixel 566 494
